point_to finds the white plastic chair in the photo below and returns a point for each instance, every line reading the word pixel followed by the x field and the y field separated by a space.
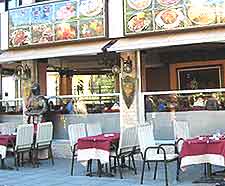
pixel 44 139
pixel 24 141
pixel 154 153
pixel 94 129
pixel 75 131
pixel 181 132
pixel 127 146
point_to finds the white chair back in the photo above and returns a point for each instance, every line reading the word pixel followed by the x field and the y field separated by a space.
pixel 181 130
pixel 146 139
pixel 24 137
pixel 44 133
pixel 94 129
pixel 128 140
pixel 76 131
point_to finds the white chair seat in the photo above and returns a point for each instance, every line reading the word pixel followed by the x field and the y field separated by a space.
pixel 160 157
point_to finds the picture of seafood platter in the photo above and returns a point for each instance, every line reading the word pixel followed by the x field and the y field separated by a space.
pixel 91 8
pixel 19 17
pixel 42 33
pixel 171 18
pixel 19 37
pixel 65 31
pixel 138 4
pixel 202 14
pixel 92 28
pixel 66 10
pixel 139 22
pixel 167 3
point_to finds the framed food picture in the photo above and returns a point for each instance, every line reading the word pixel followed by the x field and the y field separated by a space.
pixel 42 13
pixel 66 10
pixel 65 31
pixel 138 4
pixel 21 17
pixel 42 33
pixel 171 18
pixel 167 3
pixel 19 37
pixel 92 28
pixel 139 22
pixel 91 8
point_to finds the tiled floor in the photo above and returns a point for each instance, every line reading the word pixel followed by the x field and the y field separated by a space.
pixel 59 175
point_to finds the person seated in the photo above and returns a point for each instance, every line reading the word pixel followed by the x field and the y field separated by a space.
pixel 212 103
pixel 70 107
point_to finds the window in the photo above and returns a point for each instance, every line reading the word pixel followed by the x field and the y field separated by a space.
pixel 10 4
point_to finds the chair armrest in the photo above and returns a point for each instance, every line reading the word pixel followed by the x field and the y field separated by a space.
pixel 170 144
pixel 158 149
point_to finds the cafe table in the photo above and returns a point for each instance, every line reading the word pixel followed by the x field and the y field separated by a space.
pixel 5 141
pixel 96 147
pixel 208 150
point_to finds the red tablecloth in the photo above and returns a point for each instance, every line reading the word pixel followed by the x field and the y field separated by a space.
pixel 96 147
pixel 207 150
pixel 7 139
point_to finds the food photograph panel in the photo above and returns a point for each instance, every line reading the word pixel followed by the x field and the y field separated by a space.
pixel 42 14
pixel 91 8
pixel 91 28
pixel 172 18
pixel 19 37
pixel 160 4
pixel 42 33
pixel 66 31
pixel 20 17
pixel 137 5
pixel 139 22
pixel 65 10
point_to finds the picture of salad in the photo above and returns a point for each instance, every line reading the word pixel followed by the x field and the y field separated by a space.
pixel 19 37
pixel 139 4
pixel 19 17
pixel 168 2
pixel 169 18
pixel 42 14
pixel 42 33
pixel 65 31
pixel 139 22
pixel 91 8
pixel 91 28
pixel 65 10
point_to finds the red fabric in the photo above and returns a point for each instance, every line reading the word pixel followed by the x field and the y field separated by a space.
pixel 98 142
pixel 7 139
pixel 192 147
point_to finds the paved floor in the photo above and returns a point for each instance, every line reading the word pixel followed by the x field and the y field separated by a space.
pixel 58 175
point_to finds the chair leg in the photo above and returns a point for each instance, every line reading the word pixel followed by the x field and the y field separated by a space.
pixel 119 166
pixel 110 165
pixel 147 161
pixel 72 165
pixel 155 171
pixel 22 157
pixel 133 161
pixel 166 176
pixel 114 165
pixel 143 170
pixel 16 160
pixel 51 154
pixel 178 169
pixel 36 157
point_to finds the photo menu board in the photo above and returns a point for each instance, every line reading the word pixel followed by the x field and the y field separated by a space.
pixel 157 15
pixel 57 22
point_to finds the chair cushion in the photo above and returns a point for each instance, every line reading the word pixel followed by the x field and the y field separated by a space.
pixel 160 157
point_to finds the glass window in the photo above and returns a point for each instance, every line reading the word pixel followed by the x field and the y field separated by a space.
pixel 10 4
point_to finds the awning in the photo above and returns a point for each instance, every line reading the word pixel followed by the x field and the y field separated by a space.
pixel 75 49
pixel 165 39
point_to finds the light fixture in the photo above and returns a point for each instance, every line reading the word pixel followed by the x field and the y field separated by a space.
pixel 22 72
pixel 126 66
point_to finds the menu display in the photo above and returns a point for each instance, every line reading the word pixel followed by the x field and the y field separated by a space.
pixel 155 15
pixel 57 21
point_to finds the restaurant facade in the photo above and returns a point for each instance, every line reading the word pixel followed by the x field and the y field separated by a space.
pixel 164 60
